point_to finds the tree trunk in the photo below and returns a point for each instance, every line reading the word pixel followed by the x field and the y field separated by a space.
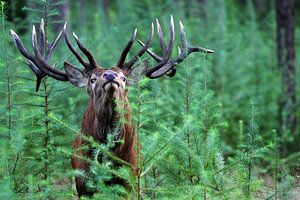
pixel 63 10
pixel 286 63
pixel 105 7
pixel 81 8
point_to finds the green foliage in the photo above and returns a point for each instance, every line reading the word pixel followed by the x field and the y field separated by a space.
pixel 199 139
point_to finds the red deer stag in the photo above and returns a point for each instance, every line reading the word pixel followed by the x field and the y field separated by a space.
pixel 106 88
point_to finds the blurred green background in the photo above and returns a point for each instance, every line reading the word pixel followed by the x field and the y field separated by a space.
pixel 223 128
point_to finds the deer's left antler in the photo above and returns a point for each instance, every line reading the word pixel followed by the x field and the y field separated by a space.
pixel 167 65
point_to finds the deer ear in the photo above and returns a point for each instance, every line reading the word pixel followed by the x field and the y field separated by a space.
pixel 136 73
pixel 76 76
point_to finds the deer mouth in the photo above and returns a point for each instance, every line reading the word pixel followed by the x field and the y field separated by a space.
pixel 108 85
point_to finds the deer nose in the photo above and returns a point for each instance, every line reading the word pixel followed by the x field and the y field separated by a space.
pixel 110 75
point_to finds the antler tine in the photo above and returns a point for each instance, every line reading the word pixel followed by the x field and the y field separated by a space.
pixel 42 36
pixel 35 45
pixel 129 64
pixel 20 46
pixel 126 50
pixel 161 68
pixel 172 38
pixel 200 49
pixel 69 44
pixel 51 47
pixel 151 53
pixel 190 50
pixel 185 48
pixel 38 73
pixel 161 37
pixel 88 54
pixel 183 41
pixel 179 51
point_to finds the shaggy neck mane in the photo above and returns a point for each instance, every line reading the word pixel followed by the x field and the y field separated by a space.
pixel 102 118
pixel 103 123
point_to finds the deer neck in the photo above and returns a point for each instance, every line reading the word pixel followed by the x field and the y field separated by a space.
pixel 102 117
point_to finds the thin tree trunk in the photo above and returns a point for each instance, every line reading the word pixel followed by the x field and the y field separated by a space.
pixel 105 6
pixel 46 101
pixel 81 5
pixel 286 63
pixel 203 10
pixel 62 16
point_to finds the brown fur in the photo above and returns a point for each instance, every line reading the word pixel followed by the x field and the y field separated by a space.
pixel 98 124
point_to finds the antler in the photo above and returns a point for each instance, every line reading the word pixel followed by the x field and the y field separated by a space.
pixel 92 62
pixel 129 64
pixel 167 65
pixel 39 62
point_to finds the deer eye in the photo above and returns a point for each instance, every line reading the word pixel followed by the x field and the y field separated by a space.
pixel 93 80
pixel 123 78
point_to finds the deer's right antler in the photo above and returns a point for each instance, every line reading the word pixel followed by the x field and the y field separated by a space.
pixel 39 62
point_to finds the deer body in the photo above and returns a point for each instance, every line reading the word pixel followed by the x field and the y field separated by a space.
pixel 99 128
pixel 108 110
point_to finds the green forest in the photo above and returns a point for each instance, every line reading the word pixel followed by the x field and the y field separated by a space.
pixel 222 125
